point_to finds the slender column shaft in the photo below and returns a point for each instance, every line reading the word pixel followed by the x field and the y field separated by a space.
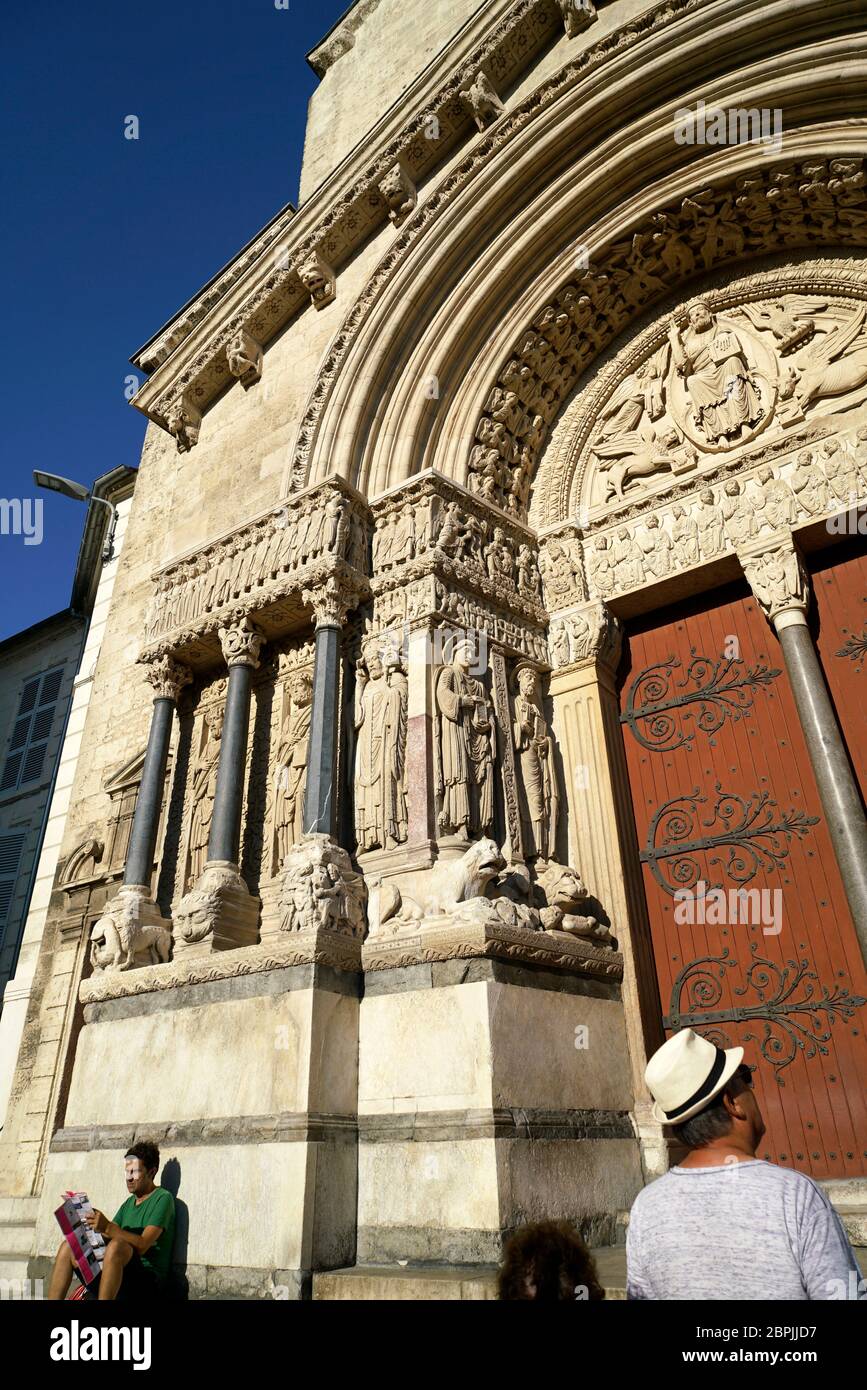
pixel 320 794
pixel 841 798
pixel 224 843
pixel 145 825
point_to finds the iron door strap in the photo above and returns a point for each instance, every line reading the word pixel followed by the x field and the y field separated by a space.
pixel 724 689
pixel 790 1002
pixel 753 833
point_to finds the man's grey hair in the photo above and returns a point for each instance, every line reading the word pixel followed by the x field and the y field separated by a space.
pixel 714 1121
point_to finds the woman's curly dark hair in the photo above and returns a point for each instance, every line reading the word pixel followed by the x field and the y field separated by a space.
pixel 550 1263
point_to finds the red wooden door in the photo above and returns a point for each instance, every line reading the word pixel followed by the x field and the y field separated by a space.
pixel 725 803
pixel 840 593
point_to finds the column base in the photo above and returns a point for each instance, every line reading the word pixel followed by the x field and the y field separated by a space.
pixel 402 859
pixel 218 914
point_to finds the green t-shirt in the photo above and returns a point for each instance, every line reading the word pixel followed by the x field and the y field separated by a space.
pixel 156 1210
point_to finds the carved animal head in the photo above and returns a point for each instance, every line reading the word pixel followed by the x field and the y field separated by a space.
pixel 564 888
pixel 481 863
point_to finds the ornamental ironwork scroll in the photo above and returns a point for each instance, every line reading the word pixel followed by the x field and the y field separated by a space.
pixel 723 689
pixel 797 1011
pixel 855 647
pixel 751 832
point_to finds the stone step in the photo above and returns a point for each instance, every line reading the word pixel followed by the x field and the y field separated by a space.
pixel 18 1210
pixel 441 1283
pixel 850 1193
pixel 855 1224
pixel 16 1241
pixel 13 1266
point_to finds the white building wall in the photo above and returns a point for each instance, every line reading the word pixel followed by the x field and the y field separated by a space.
pixel 17 992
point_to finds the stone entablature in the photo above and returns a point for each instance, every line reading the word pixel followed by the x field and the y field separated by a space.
pixel 277 262
pixel 274 566
pixel 430 527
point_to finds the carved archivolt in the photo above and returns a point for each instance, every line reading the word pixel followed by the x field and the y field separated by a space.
pixel 765 427
pixel 651 422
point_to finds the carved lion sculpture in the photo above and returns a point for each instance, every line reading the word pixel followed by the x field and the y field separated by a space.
pixel 119 936
pixel 449 884
pixel 566 896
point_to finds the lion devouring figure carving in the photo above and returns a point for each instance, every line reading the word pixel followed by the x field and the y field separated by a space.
pixel 119 940
pixel 482 888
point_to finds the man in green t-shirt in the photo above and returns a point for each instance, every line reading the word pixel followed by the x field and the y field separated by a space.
pixel 139 1240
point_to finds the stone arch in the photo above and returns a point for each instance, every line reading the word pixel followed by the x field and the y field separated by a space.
pixel 524 194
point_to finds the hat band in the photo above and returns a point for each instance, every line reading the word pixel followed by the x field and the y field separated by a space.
pixel 704 1089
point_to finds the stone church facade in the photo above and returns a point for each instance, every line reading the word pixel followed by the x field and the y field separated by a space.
pixel 493 607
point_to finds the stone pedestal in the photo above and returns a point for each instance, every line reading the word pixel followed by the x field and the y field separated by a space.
pixel 466 1133
pixel 462 1137
pixel 252 1104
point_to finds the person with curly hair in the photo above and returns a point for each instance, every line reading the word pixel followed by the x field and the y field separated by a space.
pixel 548 1262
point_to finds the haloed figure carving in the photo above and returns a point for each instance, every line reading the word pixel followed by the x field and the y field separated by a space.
pixel 292 766
pixel 713 364
pixel 467 740
pixel 535 748
pixel 380 718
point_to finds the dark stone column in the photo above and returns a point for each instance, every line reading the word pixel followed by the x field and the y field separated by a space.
pixel 780 583
pixel 320 790
pixel 330 602
pixel 841 797
pixel 168 678
pixel 241 646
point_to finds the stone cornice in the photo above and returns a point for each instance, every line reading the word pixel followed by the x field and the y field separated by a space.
pixel 554 950
pixel 269 290
pixel 317 946
pixel 341 38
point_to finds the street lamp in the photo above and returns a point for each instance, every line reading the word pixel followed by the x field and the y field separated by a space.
pixel 52 482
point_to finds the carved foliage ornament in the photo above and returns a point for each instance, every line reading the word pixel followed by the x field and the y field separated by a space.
pixel 778 579
pixel 167 676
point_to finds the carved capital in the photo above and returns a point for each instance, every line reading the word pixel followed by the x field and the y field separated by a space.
pixel 778 578
pixel 241 644
pixel 244 356
pixel 168 677
pixel 331 601
pixel 591 633
pixel 318 279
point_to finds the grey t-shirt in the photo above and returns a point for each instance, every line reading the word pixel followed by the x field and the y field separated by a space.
pixel 738 1231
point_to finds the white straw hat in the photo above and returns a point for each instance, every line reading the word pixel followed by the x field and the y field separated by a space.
pixel 685 1074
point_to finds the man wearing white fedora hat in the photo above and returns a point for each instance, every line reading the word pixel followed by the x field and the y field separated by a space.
pixel 724 1224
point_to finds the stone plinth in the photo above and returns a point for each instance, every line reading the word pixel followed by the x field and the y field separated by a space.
pixel 248 1084
pixel 466 1132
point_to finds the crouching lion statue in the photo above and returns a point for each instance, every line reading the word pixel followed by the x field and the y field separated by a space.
pixel 120 940
pixel 480 887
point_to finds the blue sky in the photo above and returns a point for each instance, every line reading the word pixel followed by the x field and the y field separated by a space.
pixel 104 238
